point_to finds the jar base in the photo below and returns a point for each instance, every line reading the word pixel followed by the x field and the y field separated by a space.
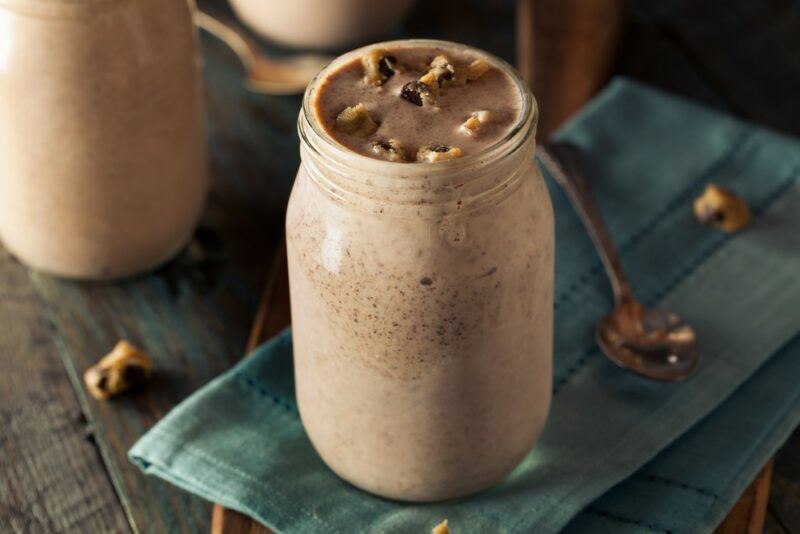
pixel 107 275
pixel 428 498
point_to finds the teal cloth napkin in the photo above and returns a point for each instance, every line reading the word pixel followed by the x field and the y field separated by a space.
pixel 619 453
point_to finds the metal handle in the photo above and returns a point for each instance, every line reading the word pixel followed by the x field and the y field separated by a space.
pixel 561 161
pixel 227 32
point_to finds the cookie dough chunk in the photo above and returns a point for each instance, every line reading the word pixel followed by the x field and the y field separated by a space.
pixel 434 153
pixel 418 93
pixel 124 368
pixel 721 208
pixel 476 122
pixel 441 528
pixel 379 66
pixel 390 150
pixel 355 120
pixel 441 73
pixel 476 69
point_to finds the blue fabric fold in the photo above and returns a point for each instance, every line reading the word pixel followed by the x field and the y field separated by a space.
pixel 619 453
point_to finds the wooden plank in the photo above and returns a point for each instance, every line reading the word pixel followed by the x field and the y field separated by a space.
pixel 272 317
pixel 773 526
pixel 784 502
pixel 566 52
pixel 51 477
pixel 749 513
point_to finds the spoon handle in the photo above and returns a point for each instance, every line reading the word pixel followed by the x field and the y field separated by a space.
pixel 230 34
pixel 561 161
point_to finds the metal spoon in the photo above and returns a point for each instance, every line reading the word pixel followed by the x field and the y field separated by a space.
pixel 653 343
pixel 264 74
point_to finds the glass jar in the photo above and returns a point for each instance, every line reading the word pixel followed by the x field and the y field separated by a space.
pixel 322 23
pixel 102 146
pixel 421 309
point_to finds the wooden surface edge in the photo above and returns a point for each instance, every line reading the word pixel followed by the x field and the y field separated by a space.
pixel 272 316
pixel 748 514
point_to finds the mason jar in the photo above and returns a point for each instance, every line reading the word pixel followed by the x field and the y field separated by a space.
pixel 422 317
pixel 102 139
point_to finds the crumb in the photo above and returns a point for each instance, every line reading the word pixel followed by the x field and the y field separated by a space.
pixel 122 369
pixel 721 208
pixel 441 528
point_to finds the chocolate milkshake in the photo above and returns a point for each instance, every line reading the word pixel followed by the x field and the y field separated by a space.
pixel 420 243
pixel 102 144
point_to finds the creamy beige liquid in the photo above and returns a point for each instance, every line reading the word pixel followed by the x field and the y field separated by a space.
pixel 102 144
pixel 322 23
pixel 422 313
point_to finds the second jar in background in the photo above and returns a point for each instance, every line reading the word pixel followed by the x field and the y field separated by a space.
pixel 102 150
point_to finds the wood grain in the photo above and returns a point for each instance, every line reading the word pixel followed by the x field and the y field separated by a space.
pixel 272 317
pixel 52 479
pixel 749 513
pixel 784 502
pixel 566 50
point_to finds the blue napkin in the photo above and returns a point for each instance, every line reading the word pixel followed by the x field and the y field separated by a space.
pixel 619 453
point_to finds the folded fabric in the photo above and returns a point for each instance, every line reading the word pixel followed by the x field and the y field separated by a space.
pixel 239 441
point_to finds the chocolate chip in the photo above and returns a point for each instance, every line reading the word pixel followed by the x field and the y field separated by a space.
pixel 426 281
pixel 412 92
pixel 386 65
pixel 446 76
pixel 441 148
pixel 102 382
pixel 135 376
pixel 711 215
pixel 418 93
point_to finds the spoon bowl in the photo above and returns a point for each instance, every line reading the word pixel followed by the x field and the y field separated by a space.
pixel 652 343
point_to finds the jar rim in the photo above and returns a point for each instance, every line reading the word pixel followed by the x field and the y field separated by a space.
pixel 526 121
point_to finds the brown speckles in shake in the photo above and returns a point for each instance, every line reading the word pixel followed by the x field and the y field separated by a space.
pixel 490 272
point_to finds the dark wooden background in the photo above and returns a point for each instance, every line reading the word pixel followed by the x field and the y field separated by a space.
pixel 62 454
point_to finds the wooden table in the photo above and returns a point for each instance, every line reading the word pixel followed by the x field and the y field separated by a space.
pixel 62 454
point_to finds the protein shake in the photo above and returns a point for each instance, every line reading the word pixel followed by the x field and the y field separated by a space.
pixel 420 243
pixel 102 144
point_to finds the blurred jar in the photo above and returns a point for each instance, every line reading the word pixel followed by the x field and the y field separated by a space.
pixel 329 24
pixel 103 168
